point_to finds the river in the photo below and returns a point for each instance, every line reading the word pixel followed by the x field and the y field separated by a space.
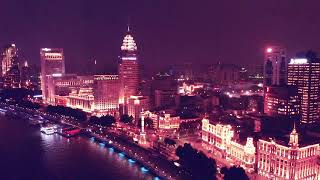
pixel 25 153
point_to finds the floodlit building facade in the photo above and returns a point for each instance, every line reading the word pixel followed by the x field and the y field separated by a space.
pixel 81 99
pixel 292 161
pixel 221 137
pixel 9 53
pixel 305 74
pixel 106 94
pixel 52 64
pixel 162 120
pixel 137 104
pixel 129 74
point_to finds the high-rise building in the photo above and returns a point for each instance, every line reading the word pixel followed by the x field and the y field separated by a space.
pixel 128 69
pixel 305 74
pixel 52 64
pixel 26 76
pixel 282 101
pixel 8 55
pixel 12 77
pixel 106 94
pixel 275 66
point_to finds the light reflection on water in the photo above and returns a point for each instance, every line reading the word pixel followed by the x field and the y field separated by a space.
pixel 39 156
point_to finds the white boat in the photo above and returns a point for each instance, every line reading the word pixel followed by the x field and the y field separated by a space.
pixel 50 129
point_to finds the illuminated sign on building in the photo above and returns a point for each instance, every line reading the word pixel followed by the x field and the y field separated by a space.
pixel 298 61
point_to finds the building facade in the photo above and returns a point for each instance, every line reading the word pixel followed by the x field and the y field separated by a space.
pixel 279 161
pixel 106 94
pixel 9 53
pixel 81 99
pixel 219 137
pixel 52 64
pixel 275 66
pixel 305 74
pixel 129 74
pixel 282 101
pixel 137 104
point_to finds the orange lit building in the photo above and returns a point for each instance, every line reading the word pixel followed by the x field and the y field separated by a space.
pixel 277 160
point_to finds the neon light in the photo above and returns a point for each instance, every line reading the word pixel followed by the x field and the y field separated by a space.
pixel 131 161
pixel 298 61
pixel 129 58
pixel 46 49
pixel 143 169
pixel 57 75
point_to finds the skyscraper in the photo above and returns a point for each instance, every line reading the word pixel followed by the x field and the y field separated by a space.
pixel 52 64
pixel 128 68
pixel 275 66
pixel 305 74
pixel 8 55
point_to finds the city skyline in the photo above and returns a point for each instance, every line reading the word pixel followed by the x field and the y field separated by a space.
pixel 219 31
pixel 164 89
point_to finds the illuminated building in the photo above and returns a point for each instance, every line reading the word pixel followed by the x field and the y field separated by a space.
pixel 59 87
pixel 277 160
pixel 136 104
pixel 12 77
pixel 275 66
pixel 163 120
pixel 81 99
pixel 128 69
pixel 219 137
pixel 189 89
pixel 106 94
pixel 52 64
pixel 282 100
pixel 26 76
pixel 8 55
pixel 305 74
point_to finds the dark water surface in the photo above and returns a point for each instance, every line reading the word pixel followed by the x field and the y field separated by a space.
pixel 25 153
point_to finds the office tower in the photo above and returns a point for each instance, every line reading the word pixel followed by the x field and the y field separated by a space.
pixel 12 76
pixel 106 94
pixel 282 101
pixel 128 69
pixel 52 64
pixel 26 76
pixel 275 66
pixel 305 74
pixel 8 55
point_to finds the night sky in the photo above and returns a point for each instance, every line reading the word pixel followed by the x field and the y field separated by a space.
pixel 167 31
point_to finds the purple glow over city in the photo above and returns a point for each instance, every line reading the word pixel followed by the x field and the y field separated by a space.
pixel 160 90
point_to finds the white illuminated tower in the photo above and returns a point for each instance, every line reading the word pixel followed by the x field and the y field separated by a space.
pixel 142 139
pixel 275 66
pixel 128 69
